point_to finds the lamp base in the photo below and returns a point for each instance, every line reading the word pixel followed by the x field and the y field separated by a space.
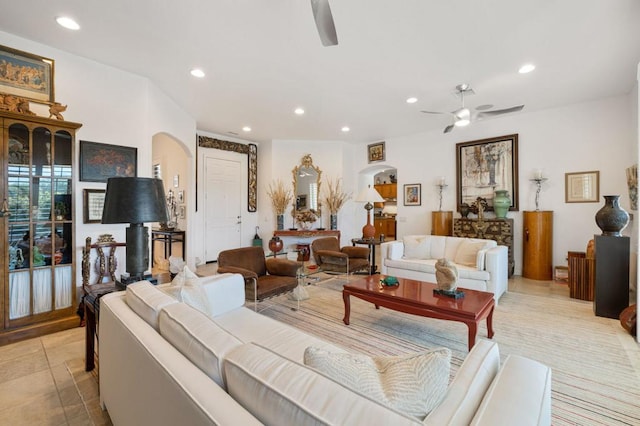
pixel 368 231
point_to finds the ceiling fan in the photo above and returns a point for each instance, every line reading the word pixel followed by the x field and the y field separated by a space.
pixel 324 22
pixel 462 116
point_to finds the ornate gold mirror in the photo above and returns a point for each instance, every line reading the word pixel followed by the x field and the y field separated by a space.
pixel 306 185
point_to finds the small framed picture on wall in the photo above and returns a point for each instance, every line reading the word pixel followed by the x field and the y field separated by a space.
pixel 376 152
pixel 413 194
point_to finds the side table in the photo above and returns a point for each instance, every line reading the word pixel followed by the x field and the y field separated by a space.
pixel 371 243
pixel 168 238
pixel 91 302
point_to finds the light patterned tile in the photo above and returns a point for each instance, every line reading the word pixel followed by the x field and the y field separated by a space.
pixel 66 352
pixel 63 337
pixel 44 411
pixel 28 363
pixel 20 349
pixel 28 388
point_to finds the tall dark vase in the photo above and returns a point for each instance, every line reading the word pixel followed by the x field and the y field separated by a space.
pixel 334 221
pixel 612 218
pixel 280 222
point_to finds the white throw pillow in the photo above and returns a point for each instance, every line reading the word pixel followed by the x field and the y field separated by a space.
pixel 190 290
pixel 467 253
pixel 416 247
pixel 413 384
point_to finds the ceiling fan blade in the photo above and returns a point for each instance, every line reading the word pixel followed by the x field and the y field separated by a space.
pixel 324 22
pixel 495 112
pixel 434 112
pixel 448 128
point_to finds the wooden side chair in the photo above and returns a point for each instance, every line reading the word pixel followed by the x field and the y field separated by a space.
pixel 105 265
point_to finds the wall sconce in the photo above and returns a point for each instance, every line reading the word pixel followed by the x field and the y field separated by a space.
pixel 538 179
pixel 441 184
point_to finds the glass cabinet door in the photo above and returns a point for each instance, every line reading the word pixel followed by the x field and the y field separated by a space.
pixel 38 232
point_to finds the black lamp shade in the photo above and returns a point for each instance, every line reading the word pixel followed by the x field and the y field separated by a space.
pixel 134 200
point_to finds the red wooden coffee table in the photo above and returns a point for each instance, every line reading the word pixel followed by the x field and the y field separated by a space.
pixel 417 298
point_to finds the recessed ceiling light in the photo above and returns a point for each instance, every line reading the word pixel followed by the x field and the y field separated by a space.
pixel 67 22
pixel 197 72
pixel 346 129
pixel 412 100
pixel 526 68
pixel 299 111
pixel 246 129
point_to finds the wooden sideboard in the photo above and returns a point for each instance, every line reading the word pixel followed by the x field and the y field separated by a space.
pixel 499 230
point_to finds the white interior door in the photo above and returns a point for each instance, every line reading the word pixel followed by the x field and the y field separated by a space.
pixel 223 219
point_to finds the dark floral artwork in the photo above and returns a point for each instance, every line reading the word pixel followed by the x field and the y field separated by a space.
pixel 99 162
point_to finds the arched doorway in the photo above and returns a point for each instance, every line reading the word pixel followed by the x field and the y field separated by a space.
pixel 171 162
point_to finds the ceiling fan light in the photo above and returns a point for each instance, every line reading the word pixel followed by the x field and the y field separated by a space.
pixel 461 122
pixel 462 114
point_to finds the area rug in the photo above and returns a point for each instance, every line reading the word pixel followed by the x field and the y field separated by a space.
pixel 594 381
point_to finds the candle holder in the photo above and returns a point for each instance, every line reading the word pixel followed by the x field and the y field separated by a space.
pixel 538 181
pixel 441 186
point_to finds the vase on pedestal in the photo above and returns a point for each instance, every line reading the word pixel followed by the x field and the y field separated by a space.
pixel 280 222
pixel 612 218
pixel 501 203
pixel 275 244
pixel 334 222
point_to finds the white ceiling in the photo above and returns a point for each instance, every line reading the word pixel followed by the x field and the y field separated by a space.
pixel 263 58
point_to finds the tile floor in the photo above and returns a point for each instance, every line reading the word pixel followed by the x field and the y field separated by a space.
pixel 36 375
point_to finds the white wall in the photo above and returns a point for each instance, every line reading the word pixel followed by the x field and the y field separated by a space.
pixel 114 107
pixel 597 135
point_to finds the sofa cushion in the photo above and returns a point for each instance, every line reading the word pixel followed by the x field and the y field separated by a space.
pixel 198 338
pixel 413 384
pixel 467 253
pixel 468 387
pixel 147 301
pixel 279 391
pixel 416 247
pixel 249 326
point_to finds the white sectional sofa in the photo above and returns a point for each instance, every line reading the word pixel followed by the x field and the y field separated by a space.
pixel 482 264
pixel 162 362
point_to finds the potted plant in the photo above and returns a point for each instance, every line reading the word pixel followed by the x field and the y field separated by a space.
pixel 334 200
pixel 280 199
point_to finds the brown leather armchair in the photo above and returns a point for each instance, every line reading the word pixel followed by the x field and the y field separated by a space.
pixel 330 257
pixel 263 277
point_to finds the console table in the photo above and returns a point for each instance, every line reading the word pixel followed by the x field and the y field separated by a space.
pixel 168 238
pixel 499 230
pixel 310 233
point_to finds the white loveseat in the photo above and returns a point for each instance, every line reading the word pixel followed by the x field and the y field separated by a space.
pixel 162 362
pixel 482 264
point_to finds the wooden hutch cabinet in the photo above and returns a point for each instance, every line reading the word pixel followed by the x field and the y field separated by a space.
pixel 500 230
pixel 37 255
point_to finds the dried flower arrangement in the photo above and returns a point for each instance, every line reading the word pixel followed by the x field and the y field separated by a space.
pixel 280 196
pixel 335 197
pixel 306 216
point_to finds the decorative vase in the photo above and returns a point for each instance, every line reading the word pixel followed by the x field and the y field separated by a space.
pixel 612 218
pixel 464 209
pixel 501 203
pixel 275 244
pixel 334 221
pixel 305 225
pixel 280 222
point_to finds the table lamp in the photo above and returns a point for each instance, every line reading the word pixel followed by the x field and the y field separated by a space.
pixel 369 195
pixel 135 200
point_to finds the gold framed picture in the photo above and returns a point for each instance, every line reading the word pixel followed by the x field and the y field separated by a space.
pixel 26 75
pixel 582 187
pixel 376 152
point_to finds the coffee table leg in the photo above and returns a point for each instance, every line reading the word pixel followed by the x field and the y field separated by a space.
pixel 473 330
pixel 490 324
pixel 347 307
